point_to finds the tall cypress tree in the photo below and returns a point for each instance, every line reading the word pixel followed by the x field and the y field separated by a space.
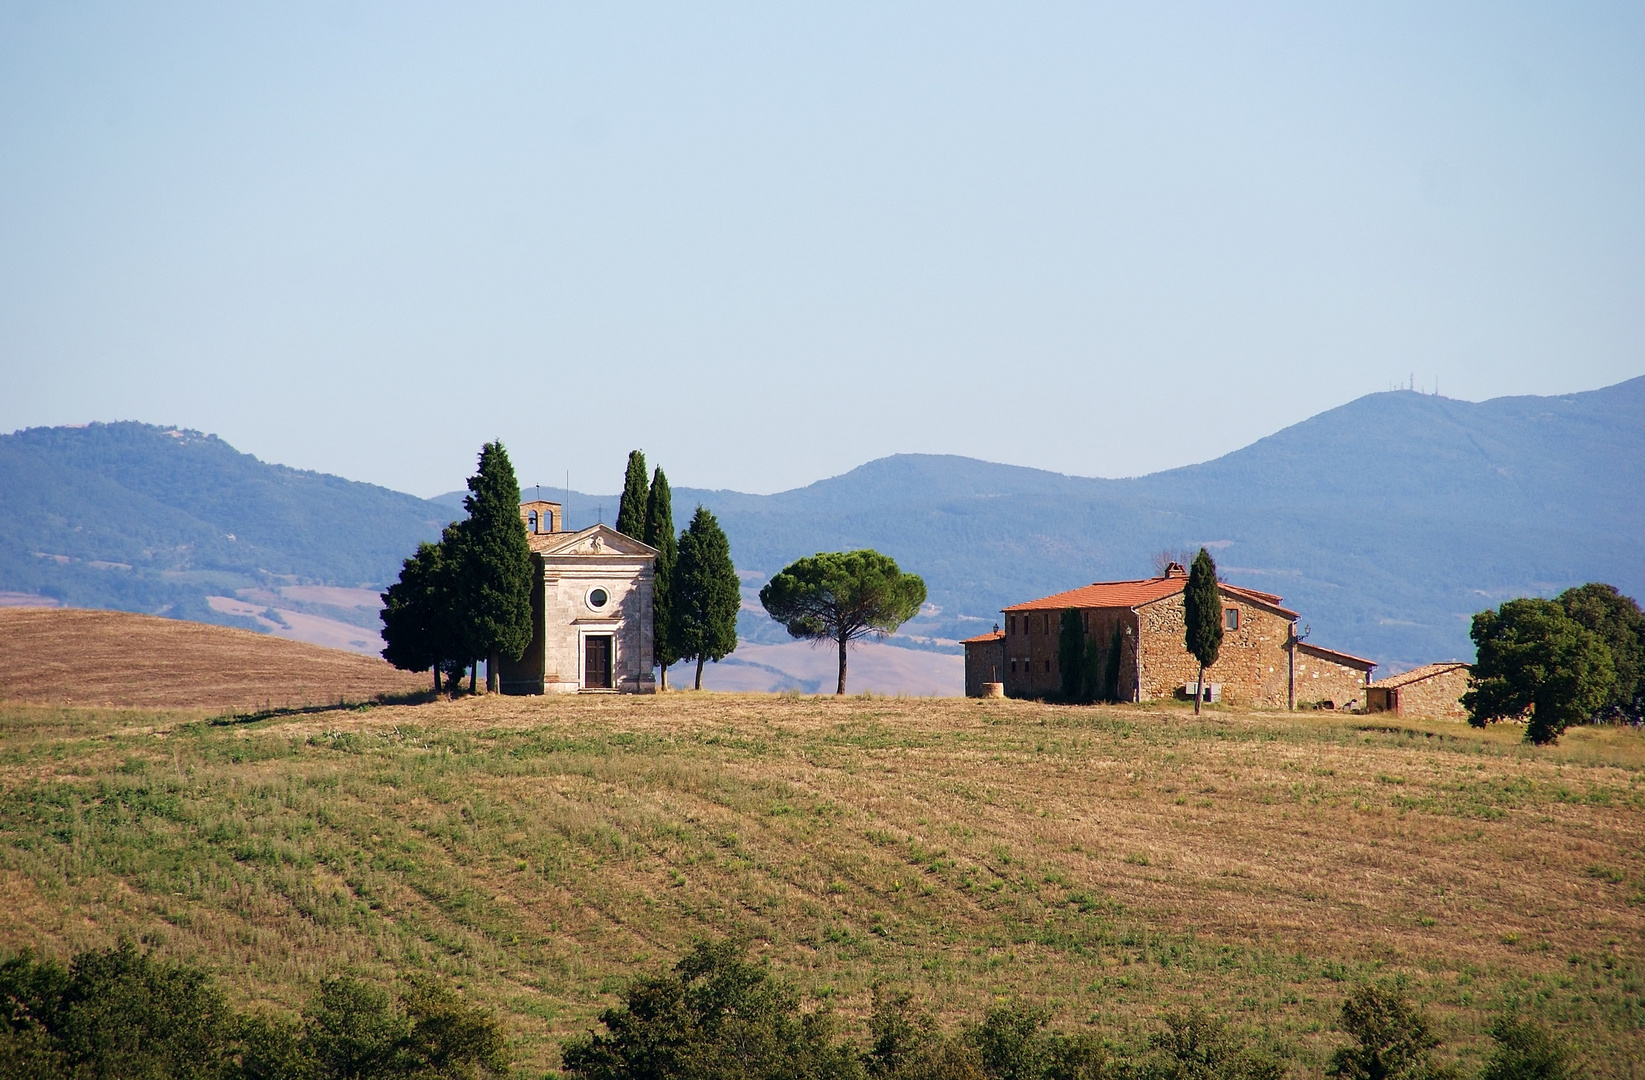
pixel 415 612
pixel 1071 655
pixel 706 594
pixel 659 533
pixel 1111 668
pixel 631 510
pixel 1202 618
pixel 494 560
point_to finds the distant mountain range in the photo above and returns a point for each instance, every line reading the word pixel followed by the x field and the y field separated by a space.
pixel 1387 522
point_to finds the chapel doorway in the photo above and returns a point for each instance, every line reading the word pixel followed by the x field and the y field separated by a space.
pixel 597 662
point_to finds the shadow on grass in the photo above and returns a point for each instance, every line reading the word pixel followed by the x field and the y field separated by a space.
pixel 422 697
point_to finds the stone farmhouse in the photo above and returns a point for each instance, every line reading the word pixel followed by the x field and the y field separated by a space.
pixel 591 611
pixel 1261 661
pixel 1433 691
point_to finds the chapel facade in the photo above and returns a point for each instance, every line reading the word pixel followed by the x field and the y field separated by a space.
pixel 592 610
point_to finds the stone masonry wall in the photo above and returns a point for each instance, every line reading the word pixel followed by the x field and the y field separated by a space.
pixel 1251 664
pixel 1033 666
pixel 1439 696
pixel 984 662
pixel 1321 680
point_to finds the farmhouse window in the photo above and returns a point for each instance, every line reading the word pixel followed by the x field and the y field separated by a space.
pixel 1230 618
pixel 1013 665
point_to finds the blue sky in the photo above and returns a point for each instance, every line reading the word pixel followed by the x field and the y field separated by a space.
pixel 767 243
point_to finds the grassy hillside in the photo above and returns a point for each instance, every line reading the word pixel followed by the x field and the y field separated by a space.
pixel 1107 862
pixel 100 657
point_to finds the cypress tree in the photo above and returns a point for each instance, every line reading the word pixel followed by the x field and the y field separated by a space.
pixel 631 510
pixel 1071 655
pixel 494 558
pixel 416 614
pixel 705 594
pixel 659 533
pixel 1111 670
pixel 1202 618
pixel 1091 688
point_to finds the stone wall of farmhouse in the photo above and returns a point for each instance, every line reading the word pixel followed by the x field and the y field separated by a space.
pixel 1323 683
pixel 1251 664
pixel 984 662
pixel 1438 697
pixel 1033 666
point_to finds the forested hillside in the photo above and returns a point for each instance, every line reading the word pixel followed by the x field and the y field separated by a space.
pixel 1386 522
pixel 143 518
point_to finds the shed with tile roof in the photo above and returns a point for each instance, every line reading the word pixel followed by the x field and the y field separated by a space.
pixel 1433 691
pixel 984 661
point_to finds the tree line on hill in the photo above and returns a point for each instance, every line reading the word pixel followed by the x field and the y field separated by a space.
pixel 830 596
pixel 468 597
pixel 717 1015
pixel 120 1013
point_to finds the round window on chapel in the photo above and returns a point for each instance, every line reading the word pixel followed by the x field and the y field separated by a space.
pixel 598 598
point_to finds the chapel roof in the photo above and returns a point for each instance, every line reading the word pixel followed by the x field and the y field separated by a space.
pixel 594 540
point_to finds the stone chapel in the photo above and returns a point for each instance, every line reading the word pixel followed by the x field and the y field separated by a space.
pixel 591 610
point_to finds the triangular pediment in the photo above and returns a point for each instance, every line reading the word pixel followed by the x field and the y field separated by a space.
pixel 594 540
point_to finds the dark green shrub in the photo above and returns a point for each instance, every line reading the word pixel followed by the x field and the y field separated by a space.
pixel 1392 1039
pixel 1197 1046
pixel 1526 1051
pixel 715 1015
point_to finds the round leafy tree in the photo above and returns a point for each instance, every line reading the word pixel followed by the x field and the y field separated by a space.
pixel 841 596
pixel 1538 664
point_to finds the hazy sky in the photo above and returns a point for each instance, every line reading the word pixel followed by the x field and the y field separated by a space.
pixel 769 242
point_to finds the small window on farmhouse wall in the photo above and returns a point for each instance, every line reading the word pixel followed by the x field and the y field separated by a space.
pixel 1230 618
pixel 1013 629
pixel 1013 666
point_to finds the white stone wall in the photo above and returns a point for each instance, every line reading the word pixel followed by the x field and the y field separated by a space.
pixel 568 618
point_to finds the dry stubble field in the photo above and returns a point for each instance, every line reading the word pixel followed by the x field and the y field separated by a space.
pixel 1106 862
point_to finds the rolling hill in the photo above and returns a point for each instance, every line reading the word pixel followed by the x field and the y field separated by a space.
pixel 1387 522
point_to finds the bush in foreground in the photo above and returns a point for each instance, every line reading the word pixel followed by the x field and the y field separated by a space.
pixel 119 1014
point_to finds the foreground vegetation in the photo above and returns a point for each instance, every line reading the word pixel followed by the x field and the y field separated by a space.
pixel 1100 866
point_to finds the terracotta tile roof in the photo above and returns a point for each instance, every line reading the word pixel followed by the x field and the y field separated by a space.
pixel 1129 594
pixel 1426 671
pixel 992 635
pixel 1345 659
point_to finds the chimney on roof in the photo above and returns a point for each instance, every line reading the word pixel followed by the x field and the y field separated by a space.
pixel 1175 570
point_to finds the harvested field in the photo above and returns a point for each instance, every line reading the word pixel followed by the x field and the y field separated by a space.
pixel 1106 862
pixel 75 656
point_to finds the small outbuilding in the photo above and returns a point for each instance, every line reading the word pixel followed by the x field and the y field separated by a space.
pixel 984 662
pixel 1433 691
